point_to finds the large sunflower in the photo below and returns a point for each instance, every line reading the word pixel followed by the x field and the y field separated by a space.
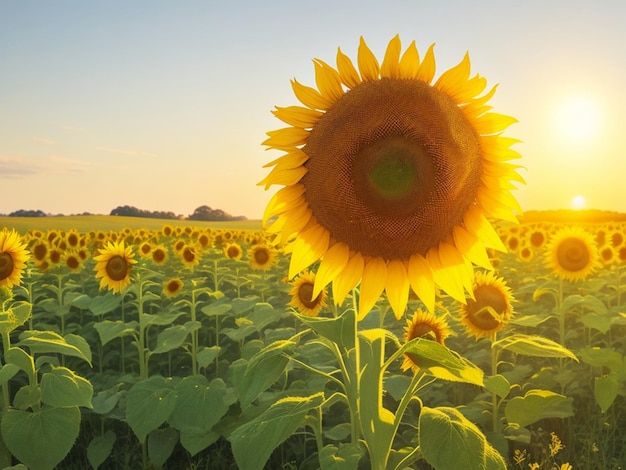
pixel 572 254
pixel 13 257
pixel 114 266
pixel 389 179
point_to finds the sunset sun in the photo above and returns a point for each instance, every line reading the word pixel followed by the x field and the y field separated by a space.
pixel 579 202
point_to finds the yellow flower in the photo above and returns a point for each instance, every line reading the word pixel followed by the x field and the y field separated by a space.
pixel 159 254
pixel 302 295
pixel 172 287
pixel 389 178
pixel 490 309
pixel 261 257
pixel 233 251
pixel 189 256
pixel 114 266
pixel 13 257
pixel 73 261
pixel 423 325
pixel 572 254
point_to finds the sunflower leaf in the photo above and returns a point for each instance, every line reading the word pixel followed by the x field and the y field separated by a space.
pixel 533 345
pixel 536 405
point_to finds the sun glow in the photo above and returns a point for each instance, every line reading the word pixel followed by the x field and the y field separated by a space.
pixel 578 119
pixel 579 202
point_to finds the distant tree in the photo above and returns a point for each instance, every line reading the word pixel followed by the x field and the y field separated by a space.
pixel 27 213
pixel 131 211
pixel 206 213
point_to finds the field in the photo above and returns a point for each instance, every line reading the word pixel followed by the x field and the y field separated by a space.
pixel 190 348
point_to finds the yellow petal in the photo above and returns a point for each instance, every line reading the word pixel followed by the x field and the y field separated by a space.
pixel 468 244
pixel 397 287
pixel 391 62
pixel 368 64
pixel 498 204
pixel 286 177
pixel 333 262
pixel 309 247
pixel 291 159
pixel 410 62
pixel 298 116
pixel 286 138
pixel 284 199
pixel 426 71
pixel 328 81
pixel 496 148
pixel 345 67
pixel 295 220
pixel 310 96
pixel 372 285
pixel 422 282
pixel 475 222
pixel 448 270
pixel 348 278
pixel 453 78
pixel 492 123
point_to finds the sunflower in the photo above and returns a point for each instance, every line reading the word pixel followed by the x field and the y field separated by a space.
pixel 490 309
pixel 233 251
pixel 13 257
pixel 40 251
pixel 261 257
pixel 145 249
pixel 73 238
pixel 114 266
pixel 159 254
pixel 167 230
pixel 189 256
pixel 172 287
pixel 73 260
pixel 423 325
pixel 389 179
pixel 302 295
pixel 572 254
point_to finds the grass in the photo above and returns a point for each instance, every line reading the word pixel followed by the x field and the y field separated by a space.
pixel 85 223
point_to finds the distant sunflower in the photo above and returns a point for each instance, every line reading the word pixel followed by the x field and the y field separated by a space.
pixel 233 251
pixel 13 257
pixel 73 261
pixel 145 249
pixel 189 256
pixel 159 254
pixel 302 295
pixel 389 179
pixel 261 257
pixel 172 287
pixel 40 251
pixel 167 230
pixel 115 262
pixel 424 325
pixel 73 238
pixel 572 254
pixel 491 307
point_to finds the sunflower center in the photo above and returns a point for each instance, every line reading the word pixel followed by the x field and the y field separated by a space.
pixel 188 255
pixel 572 254
pixel 261 256
pixel 305 294
pixel 487 310
pixel 117 268
pixel 393 166
pixel 40 251
pixel 158 255
pixel 72 262
pixel 6 265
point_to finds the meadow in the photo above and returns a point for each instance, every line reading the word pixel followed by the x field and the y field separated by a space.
pixel 203 354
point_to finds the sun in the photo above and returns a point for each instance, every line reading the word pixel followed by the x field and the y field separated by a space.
pixel 579 202
pixel 578 119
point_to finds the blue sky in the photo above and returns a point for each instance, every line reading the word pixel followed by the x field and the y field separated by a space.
pixel 163 105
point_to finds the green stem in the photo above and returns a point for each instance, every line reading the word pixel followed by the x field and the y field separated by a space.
pixel 494 398
pixel 194 336
pixel 143 370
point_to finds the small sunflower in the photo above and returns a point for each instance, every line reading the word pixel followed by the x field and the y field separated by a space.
pixel 115 262
pixel 261 257
pixel 423 325
pixel 233 251
pixel 302 295
pixel 167 230
pixel 39 251
pixel 73 260
pixel 491 307
pixel 572 254
pixel 389 179
pixel 145 249
pixel 189 256
pixel 13 257
pixel 73 238
pixel 159 254
pixel 172 287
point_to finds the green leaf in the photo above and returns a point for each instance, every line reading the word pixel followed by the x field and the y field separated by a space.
pixel 79 343
pixel 605 391
pixel 162 319
pixel 530 320
pixel 536 405
pixel 175 336
pixel 238 334
pixel 498 384
pixel 62 387
pixel 446 438
pixel 597 322
pixel 104 303
pixel 40 440
pixel 100 448
pixel 50 342
pixel 23 360
pixel 161 443
pixel 344 457
pixel 589 302
pixel 533 345
pixel 109 330
pixel 602 357
pixel 197 442
pixel 7 372
pixel 207 355
pixel 268 430
pixel 216 309
pixel 149 404
pixel 106 400
pixel 242 305
pixel 339 330
pixel 27 397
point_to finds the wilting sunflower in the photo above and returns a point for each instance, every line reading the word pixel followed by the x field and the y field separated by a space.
pixel 491 307
pixel 389 178
pixel 115 262
pixel 261 257
pixel 424 325
pixel 13 257
pixel 572 254
pixel 302 295
pixel 172 287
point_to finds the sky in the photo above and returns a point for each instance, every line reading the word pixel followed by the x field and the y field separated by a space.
pixel 163 105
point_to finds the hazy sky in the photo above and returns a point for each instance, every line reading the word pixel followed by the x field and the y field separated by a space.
pixel 163 105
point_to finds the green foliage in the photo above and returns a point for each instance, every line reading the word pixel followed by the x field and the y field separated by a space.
pixel 536 405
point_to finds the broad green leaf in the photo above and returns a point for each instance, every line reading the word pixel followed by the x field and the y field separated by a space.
pixel 544 291
pixel 149 404
pixel 396 385
pixel 241 333
pixel 40 440
pixel 339 330
pixel 536 405
pixel 602 357
pixel 106 400
pixel 15 316
pixel 530 320
pixel 162 319
pixel 344 457
pixel 498 384
pixel 100 448
pixel 589 302
pixel 109 330
pixel 197 442
pixel 217 308
pixel 597 322
pixel 79 343
pixel 106 303
pixel 207 355
pixel 242 305
pixel 268 430
pixel 338 432
pixel 533 345
pixel 62 387
pixel 161 443
pixel 45 342
pixel 82 301
pixel 174 337
pixel 23 360
pixel 605 391
pixel 447 438
pixel 199 404
pixel 27 397
pixel 7 372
